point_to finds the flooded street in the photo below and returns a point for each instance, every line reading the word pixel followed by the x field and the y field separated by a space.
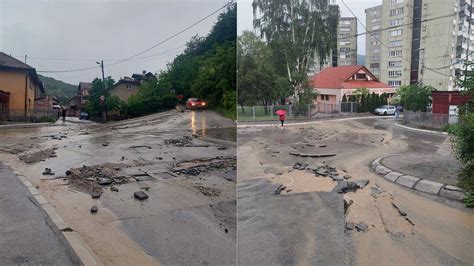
pixel 403 226
pixel 184 162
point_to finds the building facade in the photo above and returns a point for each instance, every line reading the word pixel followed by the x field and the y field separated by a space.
pixel 19 87
pixel 420 41
pixel 77 103
pixel 332 83
pixel 373 47
pixel 347 41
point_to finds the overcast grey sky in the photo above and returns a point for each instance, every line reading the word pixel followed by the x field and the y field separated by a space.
pixel 100 29
pixel 245 16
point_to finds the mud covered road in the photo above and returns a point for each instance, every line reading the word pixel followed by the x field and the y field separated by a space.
pixel 398 226
pixel 184 162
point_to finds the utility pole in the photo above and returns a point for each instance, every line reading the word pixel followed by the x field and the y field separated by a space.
pixel 104 114
pixel 25 58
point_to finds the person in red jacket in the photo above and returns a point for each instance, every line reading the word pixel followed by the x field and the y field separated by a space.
pixel 282 118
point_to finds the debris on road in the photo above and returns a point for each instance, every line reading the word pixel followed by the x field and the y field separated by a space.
pixel 362 227
pixel 195 167
pixel 140 195
pixel 38 156
pixel 48 171
pixel 208 191
pixel 361 183
pixel 317 155
pixel 345 186
pixel 94 209
pixel 347 204
pixel 93 178
pixel 402 213
pixel 95 194
pixel 349 226
pixel 279 189
pixel 105 144
pixel 181 142
pixel 140 146
pixel 299 166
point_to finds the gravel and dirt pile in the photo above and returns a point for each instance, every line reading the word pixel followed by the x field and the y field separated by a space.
pixel 38 156
pixel 196 167
pixel 93 179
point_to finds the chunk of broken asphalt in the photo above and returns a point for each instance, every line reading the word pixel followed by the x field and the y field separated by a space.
pixel 95 195
pixel 103 181
pixel 140 195
pixel 94 209
pixel 349 225
pixel 362 227
pixel 279 189
pixel 345 186
pixel 361 183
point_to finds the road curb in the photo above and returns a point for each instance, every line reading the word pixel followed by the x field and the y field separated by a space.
pixel 417 183
pixel 275 124
pixel 422 130
pixel 77 244
pixel 32 125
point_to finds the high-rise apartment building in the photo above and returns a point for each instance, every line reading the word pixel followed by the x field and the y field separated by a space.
pixel 420 41
pixel 345 52
pixel 347 41
pixel 373 48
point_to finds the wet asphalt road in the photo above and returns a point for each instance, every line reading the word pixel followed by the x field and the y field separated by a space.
pixel 28 236
pixel 178 224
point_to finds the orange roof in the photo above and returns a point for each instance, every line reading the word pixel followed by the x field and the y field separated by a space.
pixel 338 78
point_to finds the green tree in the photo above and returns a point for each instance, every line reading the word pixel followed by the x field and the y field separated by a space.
pixel 258 81
pixel 297 32
pixel 98 88
pixel 415 97
pixel 463 138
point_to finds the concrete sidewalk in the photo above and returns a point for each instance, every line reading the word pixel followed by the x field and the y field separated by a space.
pixel 28 236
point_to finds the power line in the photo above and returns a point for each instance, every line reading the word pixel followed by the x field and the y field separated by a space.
pixel 174 35
pixel 144 51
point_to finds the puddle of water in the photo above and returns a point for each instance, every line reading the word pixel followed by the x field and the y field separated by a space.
pixel 227 133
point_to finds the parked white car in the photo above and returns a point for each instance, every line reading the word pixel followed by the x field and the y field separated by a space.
pixel 385 110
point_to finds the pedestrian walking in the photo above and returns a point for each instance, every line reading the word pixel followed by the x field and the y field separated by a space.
pixel 63 114
pixel 281 116
pixel 397 113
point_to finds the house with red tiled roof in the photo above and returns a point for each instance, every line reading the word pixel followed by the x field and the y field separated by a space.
pixel 333 83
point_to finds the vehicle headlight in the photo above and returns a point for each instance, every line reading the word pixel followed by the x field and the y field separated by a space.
pixel 203 103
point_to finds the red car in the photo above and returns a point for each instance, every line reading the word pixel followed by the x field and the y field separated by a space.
pixel 195 103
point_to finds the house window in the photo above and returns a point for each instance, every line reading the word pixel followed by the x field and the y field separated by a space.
pixel 394 73
pixel 396 22
pixel 360 76
pixel 394 33
pixel 129 86
pixel 395 53
pixel 324 97
pixel 395 43
pixel 394 2
pixel 396 11
pixel 394 63
pixel 395 82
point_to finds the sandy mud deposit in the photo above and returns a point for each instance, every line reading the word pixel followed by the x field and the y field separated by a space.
pixel 99 175
pixel 380 222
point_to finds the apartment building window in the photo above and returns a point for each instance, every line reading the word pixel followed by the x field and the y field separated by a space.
pixel 396 11
pixel 394 74
pixel 394 63
pixel 375 50
pixel 395 2
pixel 375 20
pixel 375 43
pixel 396 22
pixel 395 43
pixel 376 27
pixel 395 82
pixel 374 65
pixel 375 58
pixel 345 49
pixel 342 36
pixel 394 33
pixel 346 22
pixel 345 43
pixel 344 29
pixel 395 53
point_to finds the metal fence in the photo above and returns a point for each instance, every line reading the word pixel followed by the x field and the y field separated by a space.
pixel 250 113
pixel 19 115
pixel 428 120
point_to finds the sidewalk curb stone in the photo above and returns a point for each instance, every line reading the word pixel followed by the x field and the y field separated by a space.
pixel 82 250
pixel 416 183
